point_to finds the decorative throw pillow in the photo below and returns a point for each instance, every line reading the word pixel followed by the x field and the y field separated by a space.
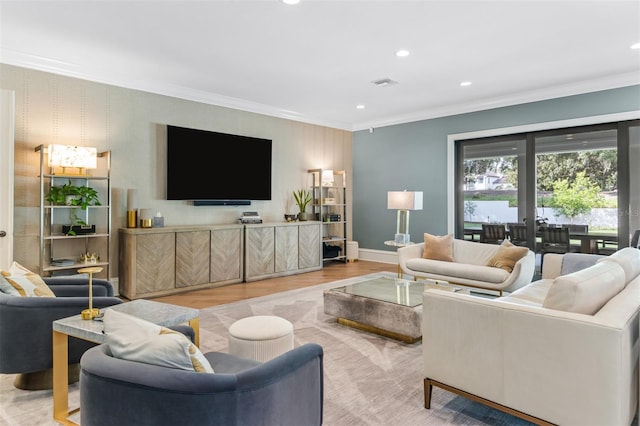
pixel 507 256
pixel 586 291
pixel 24 282
pixel 6 287
pixel 438 247
pixel 135 339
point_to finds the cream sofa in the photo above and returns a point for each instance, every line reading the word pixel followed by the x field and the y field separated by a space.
pixel 469 266
pixel 563 349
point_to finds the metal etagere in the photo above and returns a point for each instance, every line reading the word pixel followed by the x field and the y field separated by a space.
pixel 64 253
pixel 329 205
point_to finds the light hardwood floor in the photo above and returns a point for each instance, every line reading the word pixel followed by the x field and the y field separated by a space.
pixel 332 271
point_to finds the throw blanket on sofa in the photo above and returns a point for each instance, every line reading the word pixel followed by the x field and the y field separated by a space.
pixel 573 262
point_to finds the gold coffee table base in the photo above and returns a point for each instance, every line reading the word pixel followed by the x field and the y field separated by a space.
pixel 379 331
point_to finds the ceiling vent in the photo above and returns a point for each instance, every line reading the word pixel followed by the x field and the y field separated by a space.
pixel 384 82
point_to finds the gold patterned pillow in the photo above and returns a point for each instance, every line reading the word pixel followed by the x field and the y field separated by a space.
pixel 24 282
pixel 507 256
pixel 135 339
pixel 6 287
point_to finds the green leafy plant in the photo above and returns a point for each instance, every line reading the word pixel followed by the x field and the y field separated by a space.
pixel 303 198
pixel 77 196
pixel 71 195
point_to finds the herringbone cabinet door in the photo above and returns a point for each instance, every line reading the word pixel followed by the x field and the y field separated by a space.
pixel 286 248
pixel 309 247
pixel 192 258
pixel 156 265
pixel 226 255
pixel 259 251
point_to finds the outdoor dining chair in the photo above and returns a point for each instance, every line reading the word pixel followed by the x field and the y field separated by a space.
pixel 518 234
pixel 577 228
pixel 493 233
pixel 554 240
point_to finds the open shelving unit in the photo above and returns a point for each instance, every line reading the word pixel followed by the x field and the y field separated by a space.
pixel 60 253
pixel 329 206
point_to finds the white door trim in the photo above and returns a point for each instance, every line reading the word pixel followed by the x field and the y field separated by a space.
pixel 7 131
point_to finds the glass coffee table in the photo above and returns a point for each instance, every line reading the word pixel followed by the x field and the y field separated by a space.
pixel 390 307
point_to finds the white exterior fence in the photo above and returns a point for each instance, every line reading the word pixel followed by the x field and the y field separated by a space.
pixel 500 212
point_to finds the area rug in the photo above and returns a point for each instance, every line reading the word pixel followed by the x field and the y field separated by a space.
pixel 369 379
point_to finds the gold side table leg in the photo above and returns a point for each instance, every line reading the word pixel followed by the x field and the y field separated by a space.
pixel 195 324
pixel 60 377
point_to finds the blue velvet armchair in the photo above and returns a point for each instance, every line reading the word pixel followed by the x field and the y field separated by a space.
pixel 287 390
pixel 26 330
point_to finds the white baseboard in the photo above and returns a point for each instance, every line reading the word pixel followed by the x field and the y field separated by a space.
pixel 382 256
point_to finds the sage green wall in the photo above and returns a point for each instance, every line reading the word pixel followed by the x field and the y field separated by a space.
pixel 413 156
pixel 55 109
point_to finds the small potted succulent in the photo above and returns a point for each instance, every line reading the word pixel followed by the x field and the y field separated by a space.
pixel 302 198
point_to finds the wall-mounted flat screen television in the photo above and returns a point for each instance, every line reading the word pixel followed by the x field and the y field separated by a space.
pixel 211 166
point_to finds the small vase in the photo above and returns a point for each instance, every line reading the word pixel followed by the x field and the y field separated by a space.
pixel 302 216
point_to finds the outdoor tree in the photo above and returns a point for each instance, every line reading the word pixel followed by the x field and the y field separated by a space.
pixel 470 209
pixel 599 165
pixel 578 197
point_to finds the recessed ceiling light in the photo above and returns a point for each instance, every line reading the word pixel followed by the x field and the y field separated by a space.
pixel 290 1
pixel 360 106
pixel 402 53
pixel 635 46
pixel 465 83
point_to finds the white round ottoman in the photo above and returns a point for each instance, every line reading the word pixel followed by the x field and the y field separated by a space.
pixel 260 337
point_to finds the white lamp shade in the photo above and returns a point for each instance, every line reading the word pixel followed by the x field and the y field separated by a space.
pixel 404 200
pixel 146 214
pixel 72 156
pixel 132 199
pixel 327 177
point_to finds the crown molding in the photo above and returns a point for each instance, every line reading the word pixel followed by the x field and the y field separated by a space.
pixel 15 58
pixel 39 63
pixel 578 88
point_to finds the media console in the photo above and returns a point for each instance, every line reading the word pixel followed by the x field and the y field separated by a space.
pixel 162 261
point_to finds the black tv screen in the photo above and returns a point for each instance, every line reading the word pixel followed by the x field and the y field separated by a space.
pixel 204 165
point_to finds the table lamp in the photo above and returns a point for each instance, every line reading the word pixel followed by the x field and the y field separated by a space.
pixel 403 202
pixel 67 156
pixel 92 312
pixel 327 178
pixel 132 208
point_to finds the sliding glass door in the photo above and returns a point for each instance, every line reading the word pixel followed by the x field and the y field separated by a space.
pixel 489 175
pixel 633 159
pixel 577 185
pixel 579 177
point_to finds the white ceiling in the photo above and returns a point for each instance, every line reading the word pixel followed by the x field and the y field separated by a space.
pixel 315 61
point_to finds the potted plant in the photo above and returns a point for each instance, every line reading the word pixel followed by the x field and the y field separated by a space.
pixel 77 196
pixel 303 198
